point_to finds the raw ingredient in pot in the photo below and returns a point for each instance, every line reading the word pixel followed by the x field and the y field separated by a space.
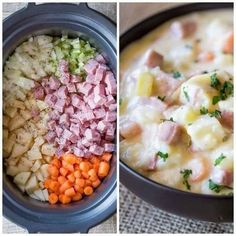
pixel 48 83
pixel 176 103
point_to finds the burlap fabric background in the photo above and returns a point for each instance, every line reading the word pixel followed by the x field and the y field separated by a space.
pixel 109 226
pixel 137 216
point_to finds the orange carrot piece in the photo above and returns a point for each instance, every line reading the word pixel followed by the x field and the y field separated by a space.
pixel 88 190
pixel 54 185
pixel 61 179
pixel 96 183
pixel 107 156
pixel 104 168
pixel 53 171
pixel 77 174
pixel 70 192
pixel 228 46
pixel 53 198
pixel 70 158
pixel 56 162
pixel 92 174
pixel 64 199
pixel 88 182
pixel 85 175
pixel 63 171
pixel 47 183
pixel 77 197
pixel 80 182
pixel 84 166
pixel 65 186
pixel 71 178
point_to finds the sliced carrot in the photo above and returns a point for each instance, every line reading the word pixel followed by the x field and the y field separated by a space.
pixel 47 183
pixel 54 185
pixel 56 162
pixel 71 178
pixel 65 186
pixel 63 171
pixel 107 156
pixel 70 192
pixel 76 167
pixel 94 160
pixel 88 182
pixel 77 174
pixel 92 174
pixel 88 190
pixel 64 199
pixel 77 197
pixel 104 168
pixel 84 166
pixel 96 183
pixel 62 179
pixel 96 166
pixel 85 175
pixel 53 198
pixel 53 171
pixel 80 182
pixel 70 158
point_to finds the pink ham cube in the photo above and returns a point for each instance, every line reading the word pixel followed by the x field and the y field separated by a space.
pixel 97 150
pixel 54 83
pixel 111 83
pixel 50 100
pixel 109 147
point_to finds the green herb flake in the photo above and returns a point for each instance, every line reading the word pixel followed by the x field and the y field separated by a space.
pixel 162 155
pixel 120 101
pixel 203 111
pixel 219 159
pixel 215 187
pixel 161 98
pixel 176 74
pixel 186 94
pixel 186 173
pixel 215 113
pixel 215 83
pixel 215 100
pixel 171 119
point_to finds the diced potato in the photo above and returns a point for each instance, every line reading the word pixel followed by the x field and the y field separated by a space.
pixel 45 193
pixel 23 137
pixel 16 122
pixel 184 115
pixel 39 175
pixel 22 178
pixel 26 114
pixel 5 134
pixel 36 166
pixel 48 149
pixel 23 82
pixel 145 84
pixel 41 185
pixel 13 161
pixel 39 194
pixel 28 105
pixel 41 105
pixel 227 105
pixel 34 154
pixel 44 170
pixel 32 195
pixel 25 162
pixel 21 187
pixel 10 111
pixel 206 133
pixel 31 185
pixel 48 159
pixel 6 121
pixel 23 168
pixel 18 104
pixel 8 144
pixel 39 141
pixel 18 150
pixel 12 170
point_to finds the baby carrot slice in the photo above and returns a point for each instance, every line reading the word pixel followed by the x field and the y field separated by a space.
pixel 106 156
pixel 56 162
pixel 53 171
pixel 71 178
pixel 70 158
pixel 104 168
pixel 84 166
pixel 64 199
pixel 70 192
pixel 96 183
pixel 65 186
pixel 53 198
pixel 77 197
pixel 63 171
pixel 61 179
pixel 88 190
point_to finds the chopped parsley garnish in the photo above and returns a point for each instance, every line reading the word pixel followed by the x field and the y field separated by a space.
pixel 215 83
pixel 176 74
pixel 186 173
pixel 203 110
pixel 219 159
pixel 215 114
pixel 161 98
pixel 120 101
pixel 215 187
pixel 186 94
pixel 171 119
pixel 215 100
pixel 162 155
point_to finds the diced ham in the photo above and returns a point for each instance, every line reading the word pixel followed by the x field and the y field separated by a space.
pixel 54 115
pixel 91 66
pixel 97 150
pixel 50 100
pixel 111 83
pixel 112 107
pixel 64 119
pixel 85 142
pixel 92 135
pixel 100 73
pixel 99 90
pixel 45 81
pixel 39 93
pixel 153 59
pixel 67 134
pixel 93 125
pixel 85 88
pixel 169 132
pixel 227 119
pixel 70 110
pixel 222 177
pixel 110 100
pixel 51 124
pixel 35 112
pixel 75 128
pixel 90 79
pixel 62 92
pixel 60 104
pixel 183 29
pixel 110 116
pixel 78 152
pixel 129 128
pixel 89 115
pixel 100 113
pixel 99 100
pixel 99 58
pixel 75 100
pixel 101 126
pixel 54 83
pixel 50 136
pixel 75 79
pixel 109 147
pixel 71 88
pixel 59 131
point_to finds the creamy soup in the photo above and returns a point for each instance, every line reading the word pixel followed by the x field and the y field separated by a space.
pixel 176 103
